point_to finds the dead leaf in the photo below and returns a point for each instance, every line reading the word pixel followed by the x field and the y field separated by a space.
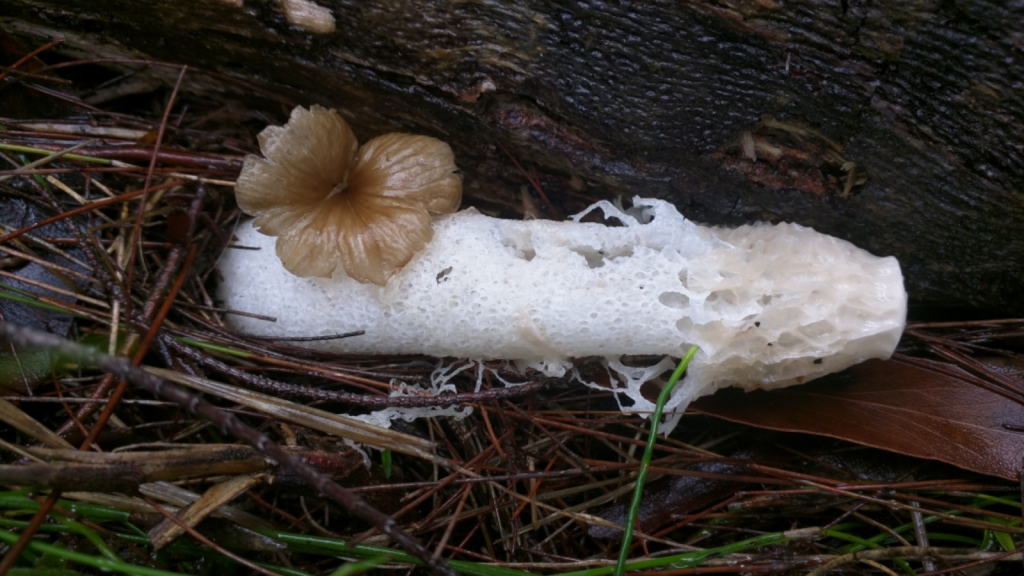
pixel 21 370
pixel 677 497
pixel 219 494
pixel 895 407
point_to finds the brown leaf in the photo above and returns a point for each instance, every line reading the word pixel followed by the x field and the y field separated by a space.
pixel 679 496
pixel 895 407
pixel 21 370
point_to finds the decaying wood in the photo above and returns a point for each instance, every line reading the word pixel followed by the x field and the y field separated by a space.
pixel 124 472
pixel 895 125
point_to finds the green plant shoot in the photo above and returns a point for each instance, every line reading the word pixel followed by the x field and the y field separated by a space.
pixel 645 463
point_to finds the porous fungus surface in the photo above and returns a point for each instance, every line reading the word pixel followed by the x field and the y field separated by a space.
pixel 768 305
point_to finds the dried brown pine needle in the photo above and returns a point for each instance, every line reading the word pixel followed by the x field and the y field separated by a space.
pixel 331 203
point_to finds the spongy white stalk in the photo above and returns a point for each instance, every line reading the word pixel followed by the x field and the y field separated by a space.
pixel 768 305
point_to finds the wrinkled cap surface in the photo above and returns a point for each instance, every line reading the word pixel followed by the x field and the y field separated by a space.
pixel 333 204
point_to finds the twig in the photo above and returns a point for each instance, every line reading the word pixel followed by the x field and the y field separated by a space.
pixel 921 534
pixel 149 308
pixel 888 553
pixel 87 208
pixel 136 235
pixel 281 388
pixel 118 393
pixel 50 158
pixel 229 424
pixel 32 54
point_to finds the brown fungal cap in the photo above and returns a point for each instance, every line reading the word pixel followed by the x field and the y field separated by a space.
pixel 331 203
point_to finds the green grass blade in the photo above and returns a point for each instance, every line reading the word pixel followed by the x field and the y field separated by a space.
pixel 353 568
pixel 91 535
pixel 334 547
pixel 85 559
pixel 213 347
pixel 31 150
pixel 385 461
pixel 641 475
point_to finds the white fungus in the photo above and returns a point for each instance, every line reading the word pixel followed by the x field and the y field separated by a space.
pixel 768 305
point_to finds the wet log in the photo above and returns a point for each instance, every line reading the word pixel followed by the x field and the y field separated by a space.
pixel 896 125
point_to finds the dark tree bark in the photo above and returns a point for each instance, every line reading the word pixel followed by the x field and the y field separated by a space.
pixel 897 124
